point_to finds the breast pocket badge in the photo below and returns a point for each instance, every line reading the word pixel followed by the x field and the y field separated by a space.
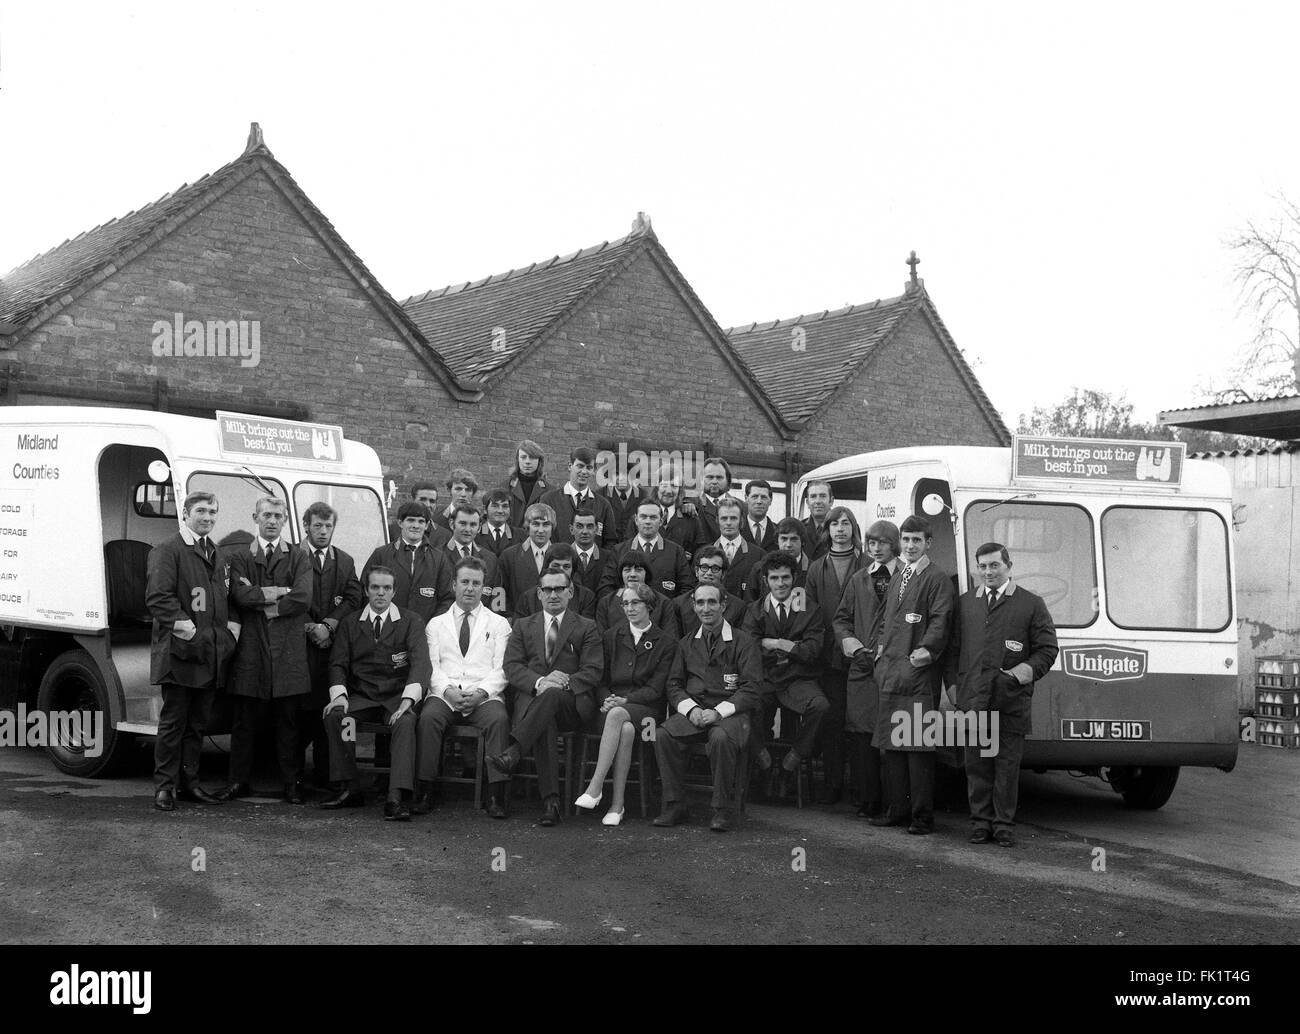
pixel 668 586
pixel 338 600
pixel 1014 646
pixel 399 659
pixel 912 619
pixel 428 591
pixel 731 681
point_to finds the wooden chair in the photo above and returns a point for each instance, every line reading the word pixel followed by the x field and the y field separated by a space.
pixel 567 754
pixel 640 765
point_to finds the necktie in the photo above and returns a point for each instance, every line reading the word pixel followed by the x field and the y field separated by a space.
pixel 206 547
pixel 320 558
pixel 758 532
pixel 496 537
pixel 731 551
pixel 538 557
pixel 410 549
pixel 379 626
pixel 993 597
pixel 552 639
pixel 646 547
pixel 780 614
pixel 464 632
pixel 902 586
pixel 585 558
pixel 710 644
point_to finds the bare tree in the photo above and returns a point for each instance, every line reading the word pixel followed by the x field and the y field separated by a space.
pixel 1268 276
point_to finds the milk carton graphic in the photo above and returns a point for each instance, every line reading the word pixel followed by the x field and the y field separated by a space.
pixel 1154 464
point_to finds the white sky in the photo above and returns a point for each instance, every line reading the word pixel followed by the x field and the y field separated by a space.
pixel 1068 177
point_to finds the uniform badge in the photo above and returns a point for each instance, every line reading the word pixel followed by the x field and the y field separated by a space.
pixel 731 681
pixel 912 619
pixel 338 600
pixel 668 586
pixel 648 645
pixel 428 591
pixel 1011 644
pixel 399 659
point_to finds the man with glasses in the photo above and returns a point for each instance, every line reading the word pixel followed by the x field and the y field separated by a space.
pixel 710 569
pixel 553 663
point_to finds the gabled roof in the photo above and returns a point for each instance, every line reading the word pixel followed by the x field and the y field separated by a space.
pixel 833 346
pixel 43 286
pixel 482 327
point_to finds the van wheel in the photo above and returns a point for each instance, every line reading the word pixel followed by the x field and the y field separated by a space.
pixel 73 683
pixel 1146 788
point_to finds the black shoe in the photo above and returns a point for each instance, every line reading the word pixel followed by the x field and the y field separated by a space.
pixel 885 819
pixel 195 794
pixel 423 802
pixel 1004 838
pixel 397 811
pixel 672 815
pixel 981 836
pixel 550 812
pixel 921 829
pixel 164 800
pixel 831 795
pixel 293 794
pixel 344 799
pixel 721 820
pixel 234 791
pixel 504 763
pixel 496 807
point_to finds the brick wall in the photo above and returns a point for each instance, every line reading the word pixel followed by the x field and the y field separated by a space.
pixel 871 412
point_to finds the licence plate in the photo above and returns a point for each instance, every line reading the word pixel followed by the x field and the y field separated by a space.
pixel 1095 729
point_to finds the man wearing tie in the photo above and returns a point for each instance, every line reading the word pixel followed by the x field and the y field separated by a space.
pixel 271 586
pixel 576 493
pixel 714 686
pixel 589 558
pixel 715 477
pixel 743 557
pixel 336 592
pixel 467 649
pixel 426 494
pixel 1007 641
pixel 909 669
pixel 669 570
pixel 757 528
pixel 379 666
pixel 465 523
pixel 422 571
pixel 497 535
pixel 554 661
pixel 623 498
pixel 522 563
pixel 193 640
pixel 677 526
pixel 462 487
pixel 790 635
pixel 820 499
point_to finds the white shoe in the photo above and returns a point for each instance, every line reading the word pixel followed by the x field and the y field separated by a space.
pixel 587 802
pixel 612 817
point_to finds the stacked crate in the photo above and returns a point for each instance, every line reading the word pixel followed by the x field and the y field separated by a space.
pixel 1277 702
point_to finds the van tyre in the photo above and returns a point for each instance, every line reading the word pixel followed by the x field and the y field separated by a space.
pixel 73 683
pixel 1146 788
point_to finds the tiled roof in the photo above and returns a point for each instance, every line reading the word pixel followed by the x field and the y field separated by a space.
pixel 480 326
pixel 831 348
pixel 27 289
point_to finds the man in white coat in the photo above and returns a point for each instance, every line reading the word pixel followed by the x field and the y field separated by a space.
pixel 467 648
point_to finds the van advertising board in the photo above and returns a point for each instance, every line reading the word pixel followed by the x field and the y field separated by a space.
pixel 240 435
pixel 1156 464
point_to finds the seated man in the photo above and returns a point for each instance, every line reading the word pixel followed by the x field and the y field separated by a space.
pixel 467 649
pixel 553 662
pixel 714 687
pixel 790 636
pixel 379 666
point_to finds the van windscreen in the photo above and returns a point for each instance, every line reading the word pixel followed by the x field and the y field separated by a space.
pixel 236 497
pixel 1051 547
pixel 359 527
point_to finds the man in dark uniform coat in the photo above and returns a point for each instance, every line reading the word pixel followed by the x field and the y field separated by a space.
pixel 379 668
pixel 426 494
pixel 790 635
pixel 523 563
pixel 554 661
pixel 820 499
pixel 335 593
pixel 678 526
pixel 422 570
pixel 590 558
pixel 714 687
pixel 624 499
pixel 715 478
pixel 710 569
pixel 575 493
pixel 271 586
pixel 909 669
pixel 497 535
pixel 560 557
pixel 1004 641
pixel 193 640
pixel 669 570
pixel 743 578
pixel 758 499
pixel 465 523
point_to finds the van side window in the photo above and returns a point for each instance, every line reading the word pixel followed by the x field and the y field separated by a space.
pixel 154 500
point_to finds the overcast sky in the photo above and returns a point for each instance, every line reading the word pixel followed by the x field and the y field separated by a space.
pixel 1068 178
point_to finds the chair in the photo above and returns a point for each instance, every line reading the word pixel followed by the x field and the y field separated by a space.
pixel 475 734
pixel 700 750
pixel 568 751
pixel 640 767
pixel 789 729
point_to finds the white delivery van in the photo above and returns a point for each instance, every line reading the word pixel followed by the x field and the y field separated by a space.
pixel 1129 543
pixel 85 493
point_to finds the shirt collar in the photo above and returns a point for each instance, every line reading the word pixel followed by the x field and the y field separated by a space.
pixel 260 544
pixel 310 550
pixel 891 567
pixel 1008 587
pixel 656 543
pixel 739 541
pixel 456 611
pixel 554 618
pixel 368 616
pixel 791 603
pixel 917 567
pixel 726 631
pixel 572 492
pixel 189 537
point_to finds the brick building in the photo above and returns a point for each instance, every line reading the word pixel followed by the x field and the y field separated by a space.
pixel 605 346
